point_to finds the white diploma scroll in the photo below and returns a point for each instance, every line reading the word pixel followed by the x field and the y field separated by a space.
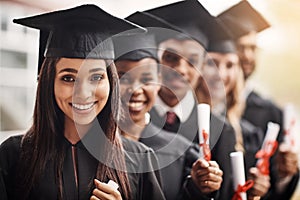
pixel 271 135
pixel 204 129
pixel 268 148
pixel 113 184
pixel 238 171
pixel 289 125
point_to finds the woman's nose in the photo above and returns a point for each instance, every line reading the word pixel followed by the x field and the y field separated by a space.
pixel 83 90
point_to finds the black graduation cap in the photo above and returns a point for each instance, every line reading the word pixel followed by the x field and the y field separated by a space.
pixel 79 32
pixel 148 20
pixel 162 29
pixel 242 18
pixel 135 47
pixel 190 17
pixel 225 45
pixel 222 46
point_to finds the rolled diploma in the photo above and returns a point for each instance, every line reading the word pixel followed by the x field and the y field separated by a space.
pixel 271 135
pixel 289 120
pixel 203 123
pixel 238 171
pixel 113 184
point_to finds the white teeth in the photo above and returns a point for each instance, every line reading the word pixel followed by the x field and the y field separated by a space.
pixel 135 104
pixel 82 107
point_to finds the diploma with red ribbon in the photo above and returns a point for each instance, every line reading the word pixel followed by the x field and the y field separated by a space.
pixel 204 130
pixel 238 172
pixel 268 148
pixel 289 125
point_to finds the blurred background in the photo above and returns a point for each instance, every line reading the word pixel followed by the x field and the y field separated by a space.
pixel 276 77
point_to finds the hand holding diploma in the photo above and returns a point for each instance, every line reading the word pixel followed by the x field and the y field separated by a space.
pixel 268 148
pixel 106 191
pixel 206 175
pixel 238 173
pixel 287 161
pixel 289 125
pixel 204 130
pixel 261 184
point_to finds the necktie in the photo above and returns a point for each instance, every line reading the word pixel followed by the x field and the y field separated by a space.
pixel 172 122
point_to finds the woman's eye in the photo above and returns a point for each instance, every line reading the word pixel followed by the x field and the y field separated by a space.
pixel 68 78
pixel 229 65
pixel 146 80
pixel 125 80
pixel 170 57
pixel 210 62
pixel 193 62
pixel 96 77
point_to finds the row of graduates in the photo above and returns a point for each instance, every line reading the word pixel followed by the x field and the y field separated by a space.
pixel 85 133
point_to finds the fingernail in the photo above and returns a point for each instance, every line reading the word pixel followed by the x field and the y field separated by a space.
pixel 97 182
pixel 204 163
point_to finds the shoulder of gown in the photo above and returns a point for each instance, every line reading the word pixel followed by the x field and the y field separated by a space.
pixel 9 156
pixel 254 99
pixel 9 151
pixel 143 170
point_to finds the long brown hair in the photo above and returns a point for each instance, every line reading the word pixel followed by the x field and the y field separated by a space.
pixel 234 104
pixel 43 141
pixel 235 107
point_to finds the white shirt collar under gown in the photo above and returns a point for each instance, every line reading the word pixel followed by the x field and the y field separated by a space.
pixel 183 109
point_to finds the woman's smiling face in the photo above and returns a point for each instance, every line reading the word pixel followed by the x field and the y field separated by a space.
pixel 81 88
pixel 139 84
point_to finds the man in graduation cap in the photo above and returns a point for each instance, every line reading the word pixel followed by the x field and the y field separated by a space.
pixel 182 42
pixel 242 18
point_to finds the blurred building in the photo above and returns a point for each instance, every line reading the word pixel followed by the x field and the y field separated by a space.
pixel 18 67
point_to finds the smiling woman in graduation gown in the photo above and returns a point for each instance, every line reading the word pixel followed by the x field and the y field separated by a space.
pixel 144 185
pixel 73 144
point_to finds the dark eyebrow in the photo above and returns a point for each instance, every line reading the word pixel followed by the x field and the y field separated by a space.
pixel 175 52
pixel 171 50
pixel 71 70
pixel 195 55
pixel 96 69
pixel 146 73
pixel 68 70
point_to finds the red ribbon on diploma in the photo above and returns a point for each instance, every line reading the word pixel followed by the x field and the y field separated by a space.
pixel 242 188
pixel 205 146
pixel 264 155
pixel 287 132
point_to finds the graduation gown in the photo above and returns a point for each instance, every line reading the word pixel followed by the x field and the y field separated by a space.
pixel 252 139
pixel 144 185
pixel 259 112
pixel 175 155
pixel 222 143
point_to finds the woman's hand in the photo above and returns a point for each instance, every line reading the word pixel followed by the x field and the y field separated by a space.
pixel 261 183
pixel 207 175
pixel 287 161
pixel 105 192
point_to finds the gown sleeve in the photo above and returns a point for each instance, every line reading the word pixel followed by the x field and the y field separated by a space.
pixel 9 154
pixel 151 179
pixel 143 171
pixel 3 194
